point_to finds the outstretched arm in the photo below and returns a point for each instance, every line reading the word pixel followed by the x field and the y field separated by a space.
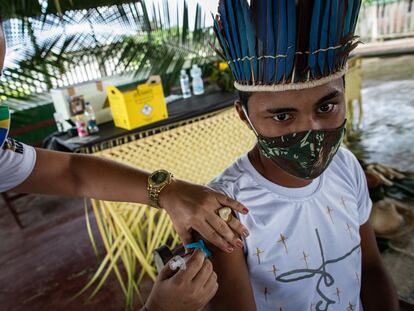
pixel 190 206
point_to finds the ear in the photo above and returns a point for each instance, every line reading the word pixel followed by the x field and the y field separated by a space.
pixel 240 111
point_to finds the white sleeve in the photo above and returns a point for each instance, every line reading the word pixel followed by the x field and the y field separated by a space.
pixel 17 161
pixel 221 187
pixel 364 200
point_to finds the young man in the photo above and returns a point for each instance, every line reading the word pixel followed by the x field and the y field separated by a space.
pixel 28 170
pixel 311 246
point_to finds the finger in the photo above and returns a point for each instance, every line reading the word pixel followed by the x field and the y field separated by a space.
pixel 210 234
pixel 194 264
pixel 166 273
pixel 212 292
pixel 224 230
pixel 210 289
pixel 237 227
pixel 233 204
pixel 203 275
pixel 211 280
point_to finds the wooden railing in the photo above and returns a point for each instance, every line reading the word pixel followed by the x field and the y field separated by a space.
pixel 386 19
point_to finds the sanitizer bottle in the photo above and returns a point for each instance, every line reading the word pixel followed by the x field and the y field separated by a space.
pixel 185 84
pixel 198 83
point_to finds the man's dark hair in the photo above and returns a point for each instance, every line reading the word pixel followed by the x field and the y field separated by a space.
pixel 244 99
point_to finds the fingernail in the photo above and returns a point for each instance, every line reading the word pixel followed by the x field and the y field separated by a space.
pixel 246 233
pixel 239 243
pixel 245 210
pixel 230 249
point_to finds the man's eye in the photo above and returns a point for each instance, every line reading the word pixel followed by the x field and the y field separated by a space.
pixel 281 117
pixel 326 108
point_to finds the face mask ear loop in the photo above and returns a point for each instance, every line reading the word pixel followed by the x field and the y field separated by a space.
pixel 248 120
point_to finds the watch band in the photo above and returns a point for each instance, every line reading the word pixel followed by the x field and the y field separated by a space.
pixel 153 195
pixel 154 190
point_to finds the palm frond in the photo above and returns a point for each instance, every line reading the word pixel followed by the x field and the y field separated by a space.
pixel 158 44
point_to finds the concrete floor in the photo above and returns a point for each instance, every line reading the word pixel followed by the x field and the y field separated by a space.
pixel 44 265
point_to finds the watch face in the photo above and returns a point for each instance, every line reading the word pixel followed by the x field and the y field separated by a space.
pixel 159 177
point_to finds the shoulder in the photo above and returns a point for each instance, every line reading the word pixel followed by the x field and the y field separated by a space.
pixel 17 161
pixel 345 157
pixel 348 167
pixel 228 180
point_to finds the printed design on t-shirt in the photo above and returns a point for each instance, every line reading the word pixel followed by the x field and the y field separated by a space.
pixel 329 211
pixel 328 279
pixel 305 259
pixel 258 253
pixel 12 145
pixel 357 277
pixel 344 204
pixel 266 293
pixel 350 307
pixel 274 270
pixel 338 294
pixel 349 229
pixel 283 239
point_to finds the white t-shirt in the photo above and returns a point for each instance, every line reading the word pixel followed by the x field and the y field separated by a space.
pixel 303 252
pixel 17 161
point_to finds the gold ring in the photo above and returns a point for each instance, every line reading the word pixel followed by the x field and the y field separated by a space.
pixel 225 213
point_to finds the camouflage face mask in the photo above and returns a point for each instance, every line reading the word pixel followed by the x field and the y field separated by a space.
pixel 305 155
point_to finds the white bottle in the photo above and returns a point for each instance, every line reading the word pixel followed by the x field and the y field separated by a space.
pixel 91 119
pixel 59 121
pixel 198 83
pixel 185 84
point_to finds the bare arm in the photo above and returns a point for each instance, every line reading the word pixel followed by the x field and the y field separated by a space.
pixel 189 206
pixel 377 291
pixel 75 175
pixel 235 291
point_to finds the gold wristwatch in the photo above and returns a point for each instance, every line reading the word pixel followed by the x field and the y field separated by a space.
pixel 157 181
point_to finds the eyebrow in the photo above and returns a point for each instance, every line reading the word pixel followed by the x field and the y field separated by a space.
pixel 326 98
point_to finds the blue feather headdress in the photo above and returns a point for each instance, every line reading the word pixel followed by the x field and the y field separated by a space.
pixel 279 45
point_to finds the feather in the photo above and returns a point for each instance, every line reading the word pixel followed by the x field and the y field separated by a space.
pixel 304 7
pixel 303 34
pixel 348 17
pixel 223 18
pixel 259 12
pixel 224 46
pixel 291 28
pixel 349 49
pixel 314 36
pixel 355 14
pixel 270 50
pixel 243 40
pixel 332 33
pixel 218 51
pixel 251 38
pixel 281 36
pixel 323 42
pixel 343 5
pixel 233 30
